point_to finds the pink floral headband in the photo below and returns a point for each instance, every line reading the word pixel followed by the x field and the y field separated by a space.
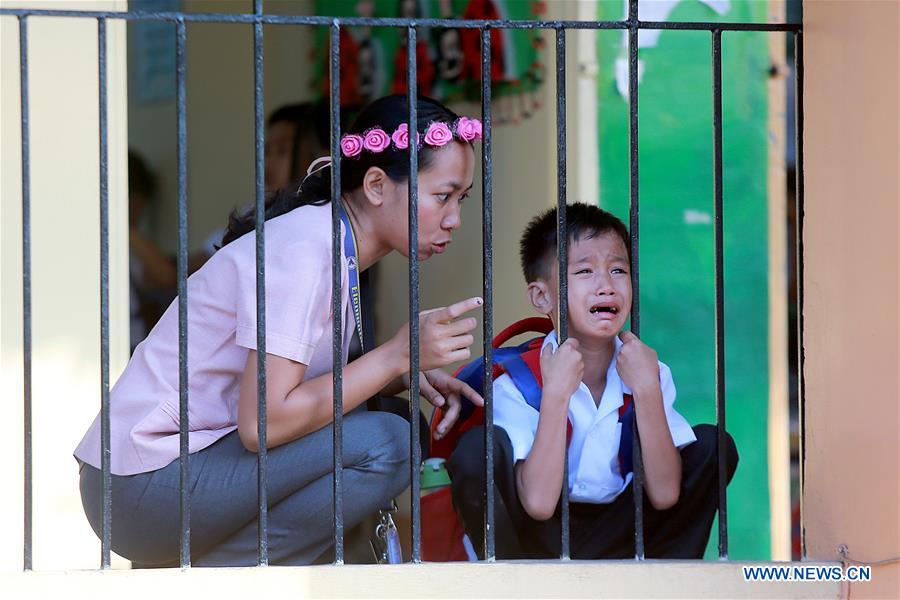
pixel 437 134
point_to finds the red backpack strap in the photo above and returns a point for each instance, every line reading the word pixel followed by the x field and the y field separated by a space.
pixel 525 371
pixel 528 380
pixel 626 403
pixel 471 374
pixel 626 418
pixel 531 324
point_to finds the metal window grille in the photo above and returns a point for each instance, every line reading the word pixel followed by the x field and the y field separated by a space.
pixel 258 19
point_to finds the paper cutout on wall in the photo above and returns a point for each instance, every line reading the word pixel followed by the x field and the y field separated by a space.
pixel 653 10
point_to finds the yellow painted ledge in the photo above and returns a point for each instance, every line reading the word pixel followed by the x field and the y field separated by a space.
pixel 525 579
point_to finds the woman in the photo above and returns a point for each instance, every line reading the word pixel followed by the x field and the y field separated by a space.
pixel 222 362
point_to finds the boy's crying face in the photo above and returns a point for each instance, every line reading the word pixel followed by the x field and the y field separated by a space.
pixel 599 279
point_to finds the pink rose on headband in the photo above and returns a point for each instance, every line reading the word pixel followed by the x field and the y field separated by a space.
pixel 401 136
pixel 351 144
pixel 468 129
pixel 376 140
pixel 438 134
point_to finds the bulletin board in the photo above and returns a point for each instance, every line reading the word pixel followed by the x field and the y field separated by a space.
pixel 676 224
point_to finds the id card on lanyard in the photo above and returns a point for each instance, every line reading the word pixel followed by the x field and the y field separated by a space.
pixel 353 274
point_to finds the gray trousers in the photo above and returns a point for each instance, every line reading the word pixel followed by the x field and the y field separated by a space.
pixel 223 496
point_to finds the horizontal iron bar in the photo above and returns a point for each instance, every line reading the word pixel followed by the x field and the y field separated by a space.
pixel 397 22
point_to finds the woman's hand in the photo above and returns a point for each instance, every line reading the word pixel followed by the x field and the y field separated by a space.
pixel 444 392
pixel 442 339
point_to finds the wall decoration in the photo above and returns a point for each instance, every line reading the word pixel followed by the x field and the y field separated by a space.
pixel 373 59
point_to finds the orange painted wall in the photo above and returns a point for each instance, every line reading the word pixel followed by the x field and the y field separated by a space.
pixel 852 417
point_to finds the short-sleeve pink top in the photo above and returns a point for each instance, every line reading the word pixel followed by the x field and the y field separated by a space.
pixel 221 331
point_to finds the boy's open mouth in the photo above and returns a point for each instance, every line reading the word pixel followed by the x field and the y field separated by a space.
pixel 604 309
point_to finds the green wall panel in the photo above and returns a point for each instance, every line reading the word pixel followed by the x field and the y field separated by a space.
pixel 676 229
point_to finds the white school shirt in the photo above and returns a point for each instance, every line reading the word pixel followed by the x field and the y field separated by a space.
pixel 594 474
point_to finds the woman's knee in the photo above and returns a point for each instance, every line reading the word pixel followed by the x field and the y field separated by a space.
pixel 386 440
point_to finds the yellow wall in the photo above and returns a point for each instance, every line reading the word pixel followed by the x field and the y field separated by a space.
pixel 852 487
pixel 519 579
pixel 65 256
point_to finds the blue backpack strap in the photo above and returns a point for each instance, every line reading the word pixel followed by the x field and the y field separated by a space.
pixel 626 418
pixel 524 379
pixel 525 372
pixel 472 373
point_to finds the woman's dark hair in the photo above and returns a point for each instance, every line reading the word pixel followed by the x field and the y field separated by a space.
pixel 387 113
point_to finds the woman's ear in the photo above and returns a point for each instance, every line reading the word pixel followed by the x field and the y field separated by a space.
pixel 540 297
pixel 373 185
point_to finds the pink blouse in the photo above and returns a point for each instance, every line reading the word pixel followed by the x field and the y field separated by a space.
pixel 221 330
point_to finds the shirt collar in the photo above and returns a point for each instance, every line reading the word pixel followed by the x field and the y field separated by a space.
pixel 615 387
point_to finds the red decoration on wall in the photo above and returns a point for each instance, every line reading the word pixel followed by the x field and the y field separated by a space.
pixel 349 69
pixel 425 70
pixel 471 42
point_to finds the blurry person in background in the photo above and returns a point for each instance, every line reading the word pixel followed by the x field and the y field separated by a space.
pixel 296 134
pixel 152 274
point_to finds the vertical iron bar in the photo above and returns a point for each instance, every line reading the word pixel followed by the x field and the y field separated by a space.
pixel 262 455
pixel 415 448
pixel 562 238
pixel 183 414
pixel 720 290
pixel 801 357
pixel 105 457
pixel 487 173
pixel 26 292
pixel 638 486
pixel 337 344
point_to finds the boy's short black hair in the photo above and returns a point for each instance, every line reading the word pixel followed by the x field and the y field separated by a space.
pixel 537 248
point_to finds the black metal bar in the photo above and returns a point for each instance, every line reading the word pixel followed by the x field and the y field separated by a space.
pixel 337 343
pixel 562 237
pixel 712 26
pixel 399 22
pixel 105 458
pixel 634 211
pixel 262 421
pixel 26 295
pixel 720 292
pixel 183 414
pixel 487 236
pixel 415 448
pixel 801 355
